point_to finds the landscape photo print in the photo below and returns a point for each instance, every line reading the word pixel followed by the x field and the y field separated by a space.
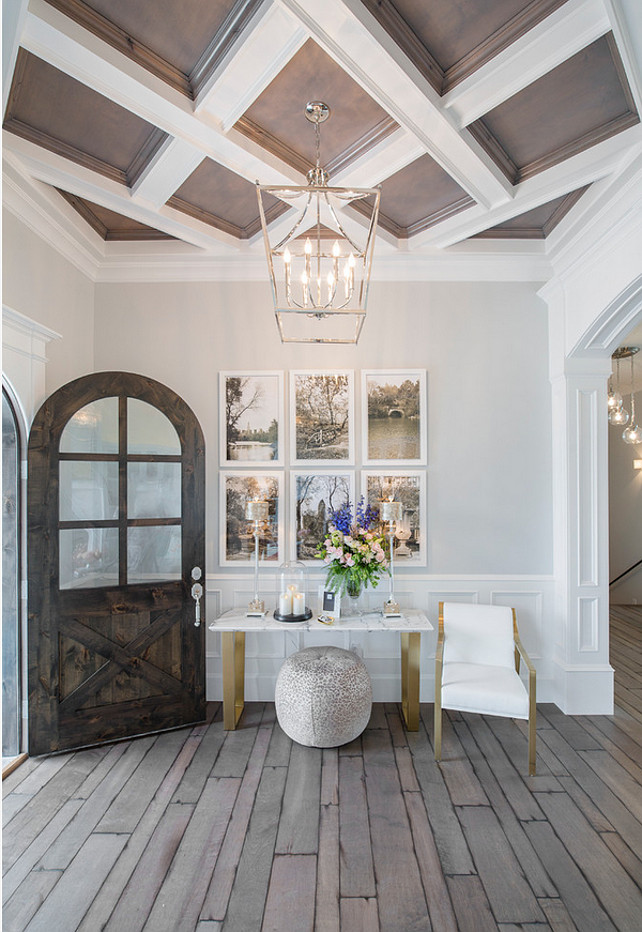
pixel 315 497
pixel 322 414
pixel 251 418
pixel 394 417
pixel 409 488
pixel 237 533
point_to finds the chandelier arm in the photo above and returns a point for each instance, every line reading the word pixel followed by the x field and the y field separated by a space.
pixel 354 245
pixel 288 236
pixel 632 393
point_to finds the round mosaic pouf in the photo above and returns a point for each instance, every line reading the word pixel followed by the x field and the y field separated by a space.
pixel 323 697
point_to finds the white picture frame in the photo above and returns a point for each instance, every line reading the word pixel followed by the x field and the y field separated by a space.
pixel 394 417
pixel 236 538
pixel 409 487
pixel 251 426
pixel 315 491
pixel 322 417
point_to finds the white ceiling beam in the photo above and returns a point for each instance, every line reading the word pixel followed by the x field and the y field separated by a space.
pixel 351 35
pixel 380 161
pixel 77 52
pixel 576 172
pixel 14 13
pixel 60 172
pixel 268 45
pixel 168 169
pixel 566 31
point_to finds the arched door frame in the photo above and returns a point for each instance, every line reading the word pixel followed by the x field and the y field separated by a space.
pixel 581 671
pixel 23 433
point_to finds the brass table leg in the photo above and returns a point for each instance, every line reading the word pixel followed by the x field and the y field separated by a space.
pixel 410 648
pixel 233 652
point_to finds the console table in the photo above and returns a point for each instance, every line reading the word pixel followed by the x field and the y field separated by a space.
pixel 234 625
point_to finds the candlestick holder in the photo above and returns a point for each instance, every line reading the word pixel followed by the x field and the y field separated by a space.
pixel 291 593
pixel 257 512
pixel 391 513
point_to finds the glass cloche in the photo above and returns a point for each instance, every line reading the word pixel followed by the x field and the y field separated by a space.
pixel 292 593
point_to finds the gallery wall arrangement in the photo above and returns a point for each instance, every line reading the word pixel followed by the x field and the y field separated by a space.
pixel 293 440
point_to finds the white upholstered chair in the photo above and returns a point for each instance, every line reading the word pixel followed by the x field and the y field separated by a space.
pixel 477 667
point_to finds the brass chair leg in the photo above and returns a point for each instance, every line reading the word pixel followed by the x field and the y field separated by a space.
pixel 437 730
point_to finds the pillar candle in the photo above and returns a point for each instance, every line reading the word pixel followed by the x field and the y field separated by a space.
pixel 285 603
pixel 298 603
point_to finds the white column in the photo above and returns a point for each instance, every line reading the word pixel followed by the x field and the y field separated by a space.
pixel 582 673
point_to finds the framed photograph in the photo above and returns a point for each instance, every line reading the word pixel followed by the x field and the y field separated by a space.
pixel 394 417
pixel 251 418
pixel 409 488
pixel 321 418
pixel 237 533
pixel 313 497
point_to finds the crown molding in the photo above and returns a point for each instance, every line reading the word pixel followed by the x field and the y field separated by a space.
pixel 34 204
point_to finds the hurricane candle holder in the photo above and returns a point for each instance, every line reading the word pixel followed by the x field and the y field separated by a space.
pixel 256 511
pixel 291 594
pixel 391 513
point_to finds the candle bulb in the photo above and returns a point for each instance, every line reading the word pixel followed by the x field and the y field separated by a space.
pixel 391 511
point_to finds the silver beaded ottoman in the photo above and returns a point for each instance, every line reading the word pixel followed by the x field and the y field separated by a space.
pixel 323 696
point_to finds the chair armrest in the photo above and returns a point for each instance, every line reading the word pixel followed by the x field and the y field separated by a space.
pixel 522 652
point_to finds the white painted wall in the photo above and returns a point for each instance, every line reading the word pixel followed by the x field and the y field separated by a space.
pixel 39 283
pixel 625 519
pixel 489 496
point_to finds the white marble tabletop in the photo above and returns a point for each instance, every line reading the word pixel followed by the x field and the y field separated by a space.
pixel 411 620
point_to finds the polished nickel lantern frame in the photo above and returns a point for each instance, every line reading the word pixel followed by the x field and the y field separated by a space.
pixel 319 271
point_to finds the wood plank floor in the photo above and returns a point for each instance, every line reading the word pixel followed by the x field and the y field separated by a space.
pixel 244 831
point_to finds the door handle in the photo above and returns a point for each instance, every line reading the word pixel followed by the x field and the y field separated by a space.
pixel 197 595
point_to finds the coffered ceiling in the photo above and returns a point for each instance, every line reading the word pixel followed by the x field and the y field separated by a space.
pixel 492 120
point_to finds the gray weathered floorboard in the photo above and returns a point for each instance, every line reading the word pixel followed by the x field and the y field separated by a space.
pixel 291 895
pixel 359 915
pixel 327 892
pixel 299 822
pixel 355 852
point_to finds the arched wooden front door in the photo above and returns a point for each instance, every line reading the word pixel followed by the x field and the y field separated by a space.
pixel 116 540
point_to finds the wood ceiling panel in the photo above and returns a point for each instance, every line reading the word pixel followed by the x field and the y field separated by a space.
pixel 581 102
pixel 110 225
pixel 223 199
pixel 179 42
pixel 449 41
pixel 536 223
pixel 276 119
pixel 63 115
pixel 418 196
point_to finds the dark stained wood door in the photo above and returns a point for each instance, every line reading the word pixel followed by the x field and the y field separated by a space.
pixel 116 540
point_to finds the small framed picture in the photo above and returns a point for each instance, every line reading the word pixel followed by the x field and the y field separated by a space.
pixel 331 603
pixel 314 496
pixel 394 417
pixel 236 532
pixel 251 419
pixel 409 488
pixel 321 418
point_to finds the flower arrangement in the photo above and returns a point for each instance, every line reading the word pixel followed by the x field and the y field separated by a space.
pixel 353 552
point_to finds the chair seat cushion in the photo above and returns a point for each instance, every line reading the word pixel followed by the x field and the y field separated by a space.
pixel 482 688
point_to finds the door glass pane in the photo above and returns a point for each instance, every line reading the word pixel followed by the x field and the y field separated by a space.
pixel 153 553
pixel 154 490
pixel 149 431
pixel 88 558
pixel 88 490
pixel 10 583
pixel 92 429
